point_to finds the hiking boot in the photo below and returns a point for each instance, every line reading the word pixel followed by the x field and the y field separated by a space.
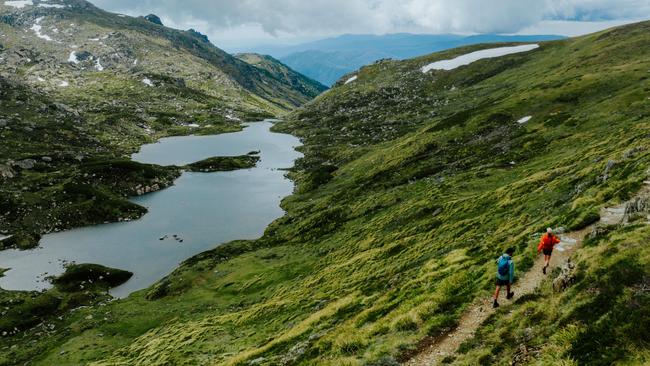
pixel 510 295
pixel 544 270
pixel 495 305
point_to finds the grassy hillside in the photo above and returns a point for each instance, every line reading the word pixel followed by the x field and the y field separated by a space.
pixel 329 59
pixel 412 184
pixel 79 84
pixel 282 72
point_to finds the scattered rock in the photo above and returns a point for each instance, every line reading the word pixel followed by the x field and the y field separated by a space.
pixel 608 168
pixel 566 278
pixel 257 361
pixel 597 231
pixel 636 206
pixel 295 353
pixel 84 56
pixel 6 172
pixel 633 152
pixel 25 164
pixel 524 354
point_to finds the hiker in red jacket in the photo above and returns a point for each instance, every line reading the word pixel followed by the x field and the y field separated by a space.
pixel 546 244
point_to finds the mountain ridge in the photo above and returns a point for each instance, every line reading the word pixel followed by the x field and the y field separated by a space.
pixel 103 84
pixel 281 71
pixel 328 59
pixel 411 185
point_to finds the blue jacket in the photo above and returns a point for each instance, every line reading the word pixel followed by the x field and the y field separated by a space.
pixel 511 274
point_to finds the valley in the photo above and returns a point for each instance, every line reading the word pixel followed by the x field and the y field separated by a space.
pixel 199 210
pixel 413 177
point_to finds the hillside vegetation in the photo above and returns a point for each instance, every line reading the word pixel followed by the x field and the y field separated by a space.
pixel 79 84
pixel 411 186
pixel 282 72
pixel 328 59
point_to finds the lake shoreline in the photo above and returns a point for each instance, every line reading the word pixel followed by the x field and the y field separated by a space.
pixel 141 201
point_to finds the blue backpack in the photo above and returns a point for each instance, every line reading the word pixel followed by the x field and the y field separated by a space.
pixel 503 267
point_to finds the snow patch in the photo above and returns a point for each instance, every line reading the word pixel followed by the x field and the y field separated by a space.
pixel 193 125
pixel 355 77
pixel 19 4
pixel 232 117
pixel 57 6
pixel 98 65
pixel 64 84
pixel 94 39
pixel 147 82
pixel 5 237
pixel 524 120
pixel 37 29
pixel 40 79
pixel 73 58
pixel 475 56
pixel 135 62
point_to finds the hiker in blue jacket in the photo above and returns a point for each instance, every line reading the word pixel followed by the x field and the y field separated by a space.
pixel 505 275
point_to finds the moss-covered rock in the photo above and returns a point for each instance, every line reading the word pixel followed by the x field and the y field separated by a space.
pixel 21 240
pixel 224 163
pixel 80 277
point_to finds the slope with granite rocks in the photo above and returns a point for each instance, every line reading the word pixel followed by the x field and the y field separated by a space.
pixel 82 85
pixel 411 186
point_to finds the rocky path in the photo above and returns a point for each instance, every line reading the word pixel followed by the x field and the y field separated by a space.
pixel 433 350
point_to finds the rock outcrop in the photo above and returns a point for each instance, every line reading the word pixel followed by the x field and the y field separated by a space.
pixel 153 18
pixel 566 278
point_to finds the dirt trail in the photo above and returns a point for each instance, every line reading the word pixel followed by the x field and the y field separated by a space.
pixel 434 350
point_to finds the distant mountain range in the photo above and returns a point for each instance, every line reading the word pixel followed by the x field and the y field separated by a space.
pixel 329 59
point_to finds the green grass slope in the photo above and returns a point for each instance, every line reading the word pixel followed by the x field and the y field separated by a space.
pixel 281 71
pixel 78 83
pixel 39 40
pixel 412 184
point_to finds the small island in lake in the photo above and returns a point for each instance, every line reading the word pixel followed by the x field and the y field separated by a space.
pixel 224 163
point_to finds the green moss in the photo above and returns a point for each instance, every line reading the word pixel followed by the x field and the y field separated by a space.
pixel 78 277
pixel 224 163
pixel 21 240
pixel 27 312
pixel 585 219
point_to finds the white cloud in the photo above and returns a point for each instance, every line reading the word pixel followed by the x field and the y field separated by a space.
pixel 248 20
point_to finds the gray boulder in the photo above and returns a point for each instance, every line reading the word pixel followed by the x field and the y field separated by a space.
pixel 25 164
pixel 6 172
pixel 566 277
pixel 153 18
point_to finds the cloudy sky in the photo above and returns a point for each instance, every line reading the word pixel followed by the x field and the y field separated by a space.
pixel 242 23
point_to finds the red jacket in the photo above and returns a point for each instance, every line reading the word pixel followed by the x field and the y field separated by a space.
pixel 547 242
